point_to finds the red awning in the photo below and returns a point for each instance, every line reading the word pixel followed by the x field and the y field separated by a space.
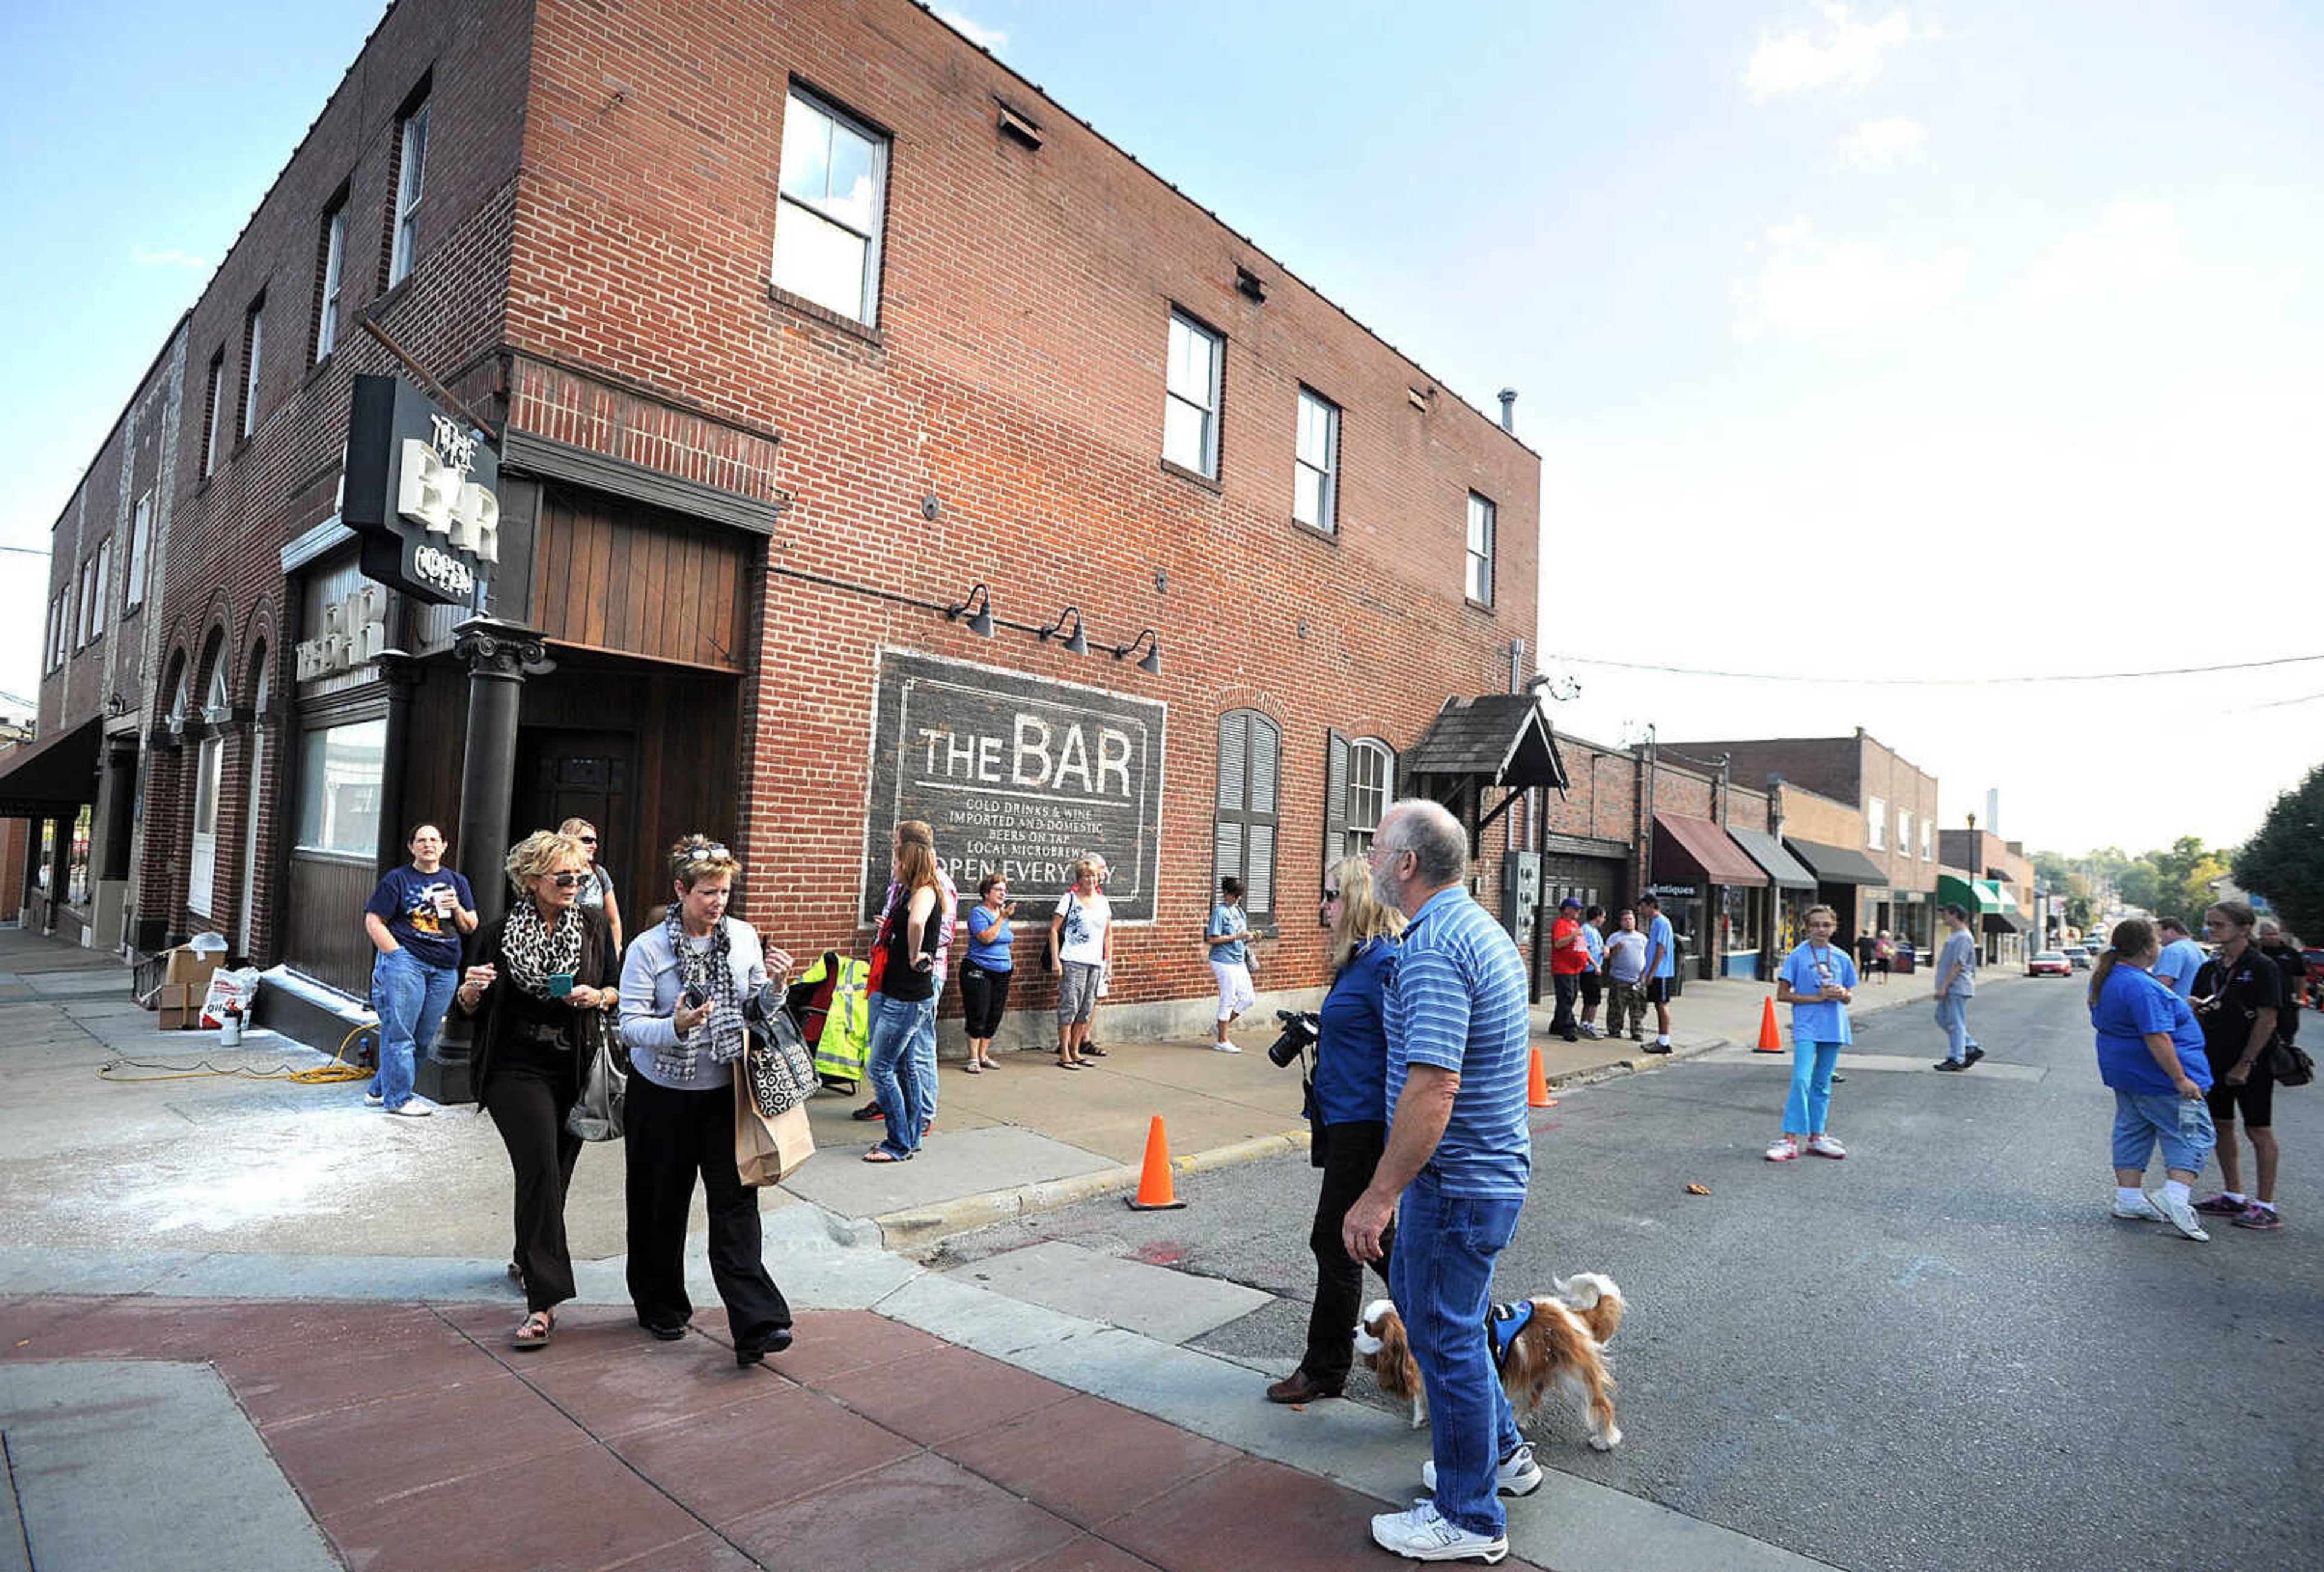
pixel 1698 848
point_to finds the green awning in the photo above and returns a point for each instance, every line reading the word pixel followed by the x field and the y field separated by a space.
pixel 1975 896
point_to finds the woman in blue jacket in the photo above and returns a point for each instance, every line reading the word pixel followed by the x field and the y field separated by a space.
pixel 2150 1052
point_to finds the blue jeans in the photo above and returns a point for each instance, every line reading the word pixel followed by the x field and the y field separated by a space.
pixel 2182 1126
pixel 411 996
pixel 896 1025
pixel 924 1062
pixel 1811 1099
pixel 1441 1277
pixel 1952 1014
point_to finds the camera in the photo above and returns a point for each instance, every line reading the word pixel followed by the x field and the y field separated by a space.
pixel 1300 1029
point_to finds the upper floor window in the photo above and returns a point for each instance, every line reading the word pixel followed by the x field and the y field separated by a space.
pixel 141 527
pixel 1480 549
pixel 1243 830
pixel 213 413
pixel 331 267
pixel 829 206
pixel 1316 483
pixel 1190 416
pixel 253 345
pixel 410 171
pixel 1875 823
pixel 1905 831
pixel 100 586
pixel 1926 853
pixel 1359 784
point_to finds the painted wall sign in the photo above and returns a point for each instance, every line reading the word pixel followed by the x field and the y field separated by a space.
pixel 422 491
pixel 1017 776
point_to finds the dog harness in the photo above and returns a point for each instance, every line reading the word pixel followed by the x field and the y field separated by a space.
pixel 1504 1325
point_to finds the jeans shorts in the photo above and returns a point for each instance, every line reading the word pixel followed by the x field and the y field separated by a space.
pixel 2182 1127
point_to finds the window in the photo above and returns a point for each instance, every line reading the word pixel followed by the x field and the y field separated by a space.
pixel 410 166
pixel 1926 856
pixel 253 345
pixel 51 652
pixel 80 629
pixel 828 210
pixel 1359 782
pixel 331 267
pixel 339 774
pixel 1875 823
pixel 213 412
pixel 1190 412
pixel 1905 831
pixel 1315 480
pixel 1480 549
pixel 1250 754
pixel 100 587
pixel 141 525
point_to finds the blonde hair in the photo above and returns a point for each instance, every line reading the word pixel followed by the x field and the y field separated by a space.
pixel 1810 912
pixel 1364 916
pixel 1082 868
pixel 696 857
pixel 539 853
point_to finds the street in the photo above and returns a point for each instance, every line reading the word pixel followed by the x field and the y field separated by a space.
pixel 1939 1352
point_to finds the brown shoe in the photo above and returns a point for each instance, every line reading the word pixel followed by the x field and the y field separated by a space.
pixel 1299 1387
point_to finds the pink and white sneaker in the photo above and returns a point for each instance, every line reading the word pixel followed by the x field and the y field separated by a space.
pixel 1782 1149
pixel 1825 1146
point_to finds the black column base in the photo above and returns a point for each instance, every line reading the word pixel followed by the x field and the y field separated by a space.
pixel 443 1076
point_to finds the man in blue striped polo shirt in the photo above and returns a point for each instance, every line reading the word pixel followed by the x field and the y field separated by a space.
pixel 1454 1174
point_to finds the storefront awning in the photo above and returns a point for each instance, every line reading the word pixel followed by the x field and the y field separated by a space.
pixel 1836 864
pixel 2006 922
pixel 1978 897
pixel 1696 849
pixel 1768 852
pixel 55 776
pixel 1501 737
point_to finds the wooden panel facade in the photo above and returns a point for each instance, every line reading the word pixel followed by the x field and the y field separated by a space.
pixel 623 577
pixel 330 948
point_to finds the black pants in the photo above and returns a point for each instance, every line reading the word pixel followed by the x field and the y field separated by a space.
pixel 1350 1152
pixel 529 1110
pixel 1569 988
pixel 985 998
pixel 669 1136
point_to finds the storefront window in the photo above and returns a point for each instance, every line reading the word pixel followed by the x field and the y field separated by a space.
pixel 48 855
pixel 339 775
pixel 77 863
pixel 1742 916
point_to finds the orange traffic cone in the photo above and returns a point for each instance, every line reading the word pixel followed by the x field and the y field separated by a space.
pixel 1154 1191
pixel 1770 1039
pixel 1537 1095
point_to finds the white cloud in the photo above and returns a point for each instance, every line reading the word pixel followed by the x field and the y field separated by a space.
pixel 2133 253
pixel 1848 51
pixel 1817 286
pixel 977 33
pixel 167 258
pixel 1883 140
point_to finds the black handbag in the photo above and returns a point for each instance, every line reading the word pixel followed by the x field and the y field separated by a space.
pixel 776 1061
pixel 2289 1063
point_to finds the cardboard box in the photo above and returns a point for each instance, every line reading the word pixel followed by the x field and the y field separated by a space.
pixel 180 1005
pixel 184 967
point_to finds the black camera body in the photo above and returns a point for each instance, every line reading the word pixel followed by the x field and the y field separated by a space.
pixel 1301 1028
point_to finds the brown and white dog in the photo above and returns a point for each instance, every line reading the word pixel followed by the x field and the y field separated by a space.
pixel 1563 1345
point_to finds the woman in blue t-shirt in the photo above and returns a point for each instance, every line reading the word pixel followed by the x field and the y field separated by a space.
pixel 1347 1112
pixel 985 975
pixel 2150 1052
pixel 1818 979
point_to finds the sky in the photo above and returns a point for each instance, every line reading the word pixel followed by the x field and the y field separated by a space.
pixel 1865 347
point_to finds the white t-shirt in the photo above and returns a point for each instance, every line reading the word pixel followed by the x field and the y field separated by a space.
pixel 1083 936
pixel 1626 955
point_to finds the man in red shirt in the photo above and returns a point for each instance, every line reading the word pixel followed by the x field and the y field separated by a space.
pixel 1569 958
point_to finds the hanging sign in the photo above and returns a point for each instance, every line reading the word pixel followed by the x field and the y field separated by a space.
pixel 422 491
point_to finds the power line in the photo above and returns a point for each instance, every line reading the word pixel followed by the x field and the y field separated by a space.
pixel 1548 657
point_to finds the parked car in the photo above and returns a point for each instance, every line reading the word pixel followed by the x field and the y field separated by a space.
pixel 2315 990
pixel 2049 963
pixel 2076 957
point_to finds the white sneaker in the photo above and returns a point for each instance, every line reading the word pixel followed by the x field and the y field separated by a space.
pixel 1421 1534
pixel 2181 1215
pixel 1517 1475
pixel 1590 1031
pixel 1225 1048
pixel 373 1100
pixel 2147 1211
pixel 1782 1149
pixel 1826 1146
pixel 414 1109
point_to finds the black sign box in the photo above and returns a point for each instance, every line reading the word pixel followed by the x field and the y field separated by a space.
pixel 1016 776
pixel 399 551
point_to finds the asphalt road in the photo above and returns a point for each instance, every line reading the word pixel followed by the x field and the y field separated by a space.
pixel 1939 1353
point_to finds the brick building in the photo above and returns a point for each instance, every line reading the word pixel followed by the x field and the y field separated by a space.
pixel 875 440
pixel 1993 878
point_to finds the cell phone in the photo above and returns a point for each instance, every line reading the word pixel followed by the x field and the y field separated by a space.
pixel 694 998
pixel 561 984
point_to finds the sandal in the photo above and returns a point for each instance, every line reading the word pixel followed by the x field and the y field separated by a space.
pixel 1069 1064
pixel 972 1067
pixel 533 1331
pixel 881 1154
pixel 1092 1050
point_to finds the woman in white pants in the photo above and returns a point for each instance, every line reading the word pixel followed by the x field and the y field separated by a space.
pixel 1227 934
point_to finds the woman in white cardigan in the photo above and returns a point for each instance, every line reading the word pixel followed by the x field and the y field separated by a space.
pixel 682 988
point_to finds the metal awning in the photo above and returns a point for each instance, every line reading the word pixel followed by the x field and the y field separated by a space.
pixel 1699 848
pixel 55 776
pixel 1768 852
pixel 1835 865
pixel 2006 922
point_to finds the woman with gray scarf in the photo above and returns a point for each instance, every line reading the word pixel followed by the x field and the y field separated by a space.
pixel 546 967
pixel 682 988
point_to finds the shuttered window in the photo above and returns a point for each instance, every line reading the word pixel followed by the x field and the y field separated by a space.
pixel 1250 756
pixel 1359 784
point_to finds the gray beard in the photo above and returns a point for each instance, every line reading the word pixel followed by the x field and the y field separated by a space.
pixel 1384 888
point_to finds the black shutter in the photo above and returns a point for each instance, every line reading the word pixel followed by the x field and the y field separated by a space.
pixel 1265 819
pixel 1335 800
pixel 1227 825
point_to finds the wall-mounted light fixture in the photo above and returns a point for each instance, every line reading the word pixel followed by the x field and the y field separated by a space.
pixel 1076 642
pixel 977 607
pixel 1152 664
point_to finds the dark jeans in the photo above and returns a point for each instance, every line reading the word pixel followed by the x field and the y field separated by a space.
pixel 668 1136
pixel 1569 988
pixel 1350 1152
pixel 985 998
pixel 530 1112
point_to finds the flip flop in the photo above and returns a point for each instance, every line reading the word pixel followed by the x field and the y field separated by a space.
pixel 881 1154
pixel 533 1331
pixel 972 1067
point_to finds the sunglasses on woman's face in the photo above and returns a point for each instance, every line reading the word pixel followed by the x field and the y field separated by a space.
pixel 586 840
pixel 566 881
pixel 1331 895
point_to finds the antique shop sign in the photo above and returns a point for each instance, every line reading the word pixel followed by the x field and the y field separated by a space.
pixel 1017 776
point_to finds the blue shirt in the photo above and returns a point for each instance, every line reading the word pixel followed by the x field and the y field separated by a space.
pixel 1808 968
pixel 2131 1004
pixel 1352 1055
pixel 1226 917
pixel 1658 932
pixel 2181 959
pixel 1456 1000
pixel 1596 941
pixel 405 900
pixel 988 940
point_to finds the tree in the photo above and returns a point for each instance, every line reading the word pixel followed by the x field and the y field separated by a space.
pixel 2284 862
pixel 2182 879
pixel 2139 885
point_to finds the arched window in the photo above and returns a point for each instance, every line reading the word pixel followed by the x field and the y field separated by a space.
pixel 1247 816
pixel 1359 784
